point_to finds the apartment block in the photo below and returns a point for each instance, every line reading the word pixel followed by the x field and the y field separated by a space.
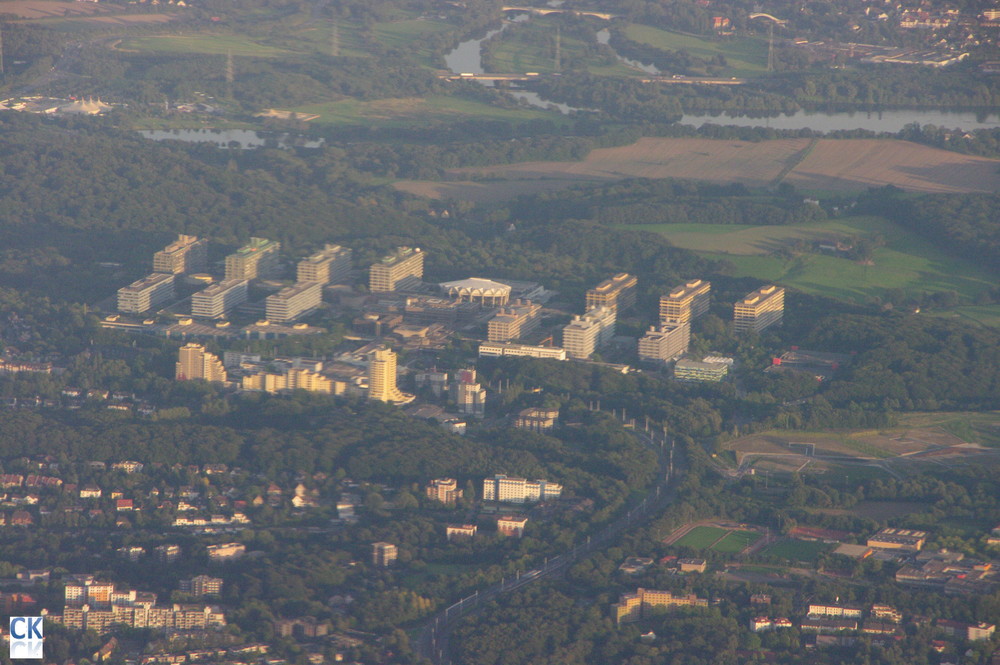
pixel 193 362
pixel 537 420
pixel 514 321
pixel 145 294
pixel 184 255
pixel 382 378
pixel 258 259
pixel 499 349
pixel 402 269
pixel 215 301
pixel 502 489
pixel 330 265
pixel 825 610
pixel 670 341
pixel 634 606
pixel 292 379
pixel 469 394
pixel 202 585
pixel 584 334
pixel 444 490
pixel 686 302
pixel 511 525
pixel 384 554
pixel 616 293
pixel 291 302
pixel 759 310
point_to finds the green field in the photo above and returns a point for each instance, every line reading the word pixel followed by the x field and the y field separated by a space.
pixel 736 541
pixel 531 48
pixel 701 537
pixel 796 550
pixel 906 262
pixel 982 428
pixel 209 44
pixel 406 111
pixel 409 35
pixel 746 56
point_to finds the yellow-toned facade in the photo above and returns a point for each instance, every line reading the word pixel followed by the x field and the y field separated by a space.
pixel 293 379
pixel 686 302
pixel 759 310
pixel 634 606
pixel 617 292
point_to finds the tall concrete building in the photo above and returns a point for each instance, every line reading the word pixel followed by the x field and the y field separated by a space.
pixel 145 294
pixel 213 302
pixel 293 301
pixel 616 293
pixel 259 258
pixel 666 343
pixel 759 310
pixel 186 254
pixel 514 321
pixel 330 265
pixel 444 490
pixel 294 379
pixel 584 334
pixel 685 302
pixel 402 269
pixel 469 394
pixel 382 378
pixel 193 362
pixel 384 554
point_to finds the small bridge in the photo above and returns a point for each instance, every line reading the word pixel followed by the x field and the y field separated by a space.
pixel 544 11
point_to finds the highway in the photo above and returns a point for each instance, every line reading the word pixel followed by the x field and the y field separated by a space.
pixel 433 641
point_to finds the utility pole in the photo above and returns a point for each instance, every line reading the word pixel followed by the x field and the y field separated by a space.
pixel 770 47
pixel 335 39
pixel 2 72
pixel 558 50
pixel 229 74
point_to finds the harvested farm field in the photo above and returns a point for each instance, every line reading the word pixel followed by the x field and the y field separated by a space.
pixel 813 164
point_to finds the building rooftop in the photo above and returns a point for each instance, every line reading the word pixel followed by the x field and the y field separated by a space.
pixel 148 280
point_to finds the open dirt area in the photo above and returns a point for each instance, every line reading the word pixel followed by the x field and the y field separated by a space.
pixel 827 164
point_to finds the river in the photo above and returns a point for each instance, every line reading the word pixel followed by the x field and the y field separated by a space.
pixel 467 57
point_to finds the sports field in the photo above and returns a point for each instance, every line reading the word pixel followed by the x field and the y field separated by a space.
pixel 736 541
pixel 701 537
pixel 744 56
pixel 796 550
pixel 907 261
pixel 208 44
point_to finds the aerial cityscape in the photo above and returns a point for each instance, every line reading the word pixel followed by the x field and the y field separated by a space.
pixel 437 332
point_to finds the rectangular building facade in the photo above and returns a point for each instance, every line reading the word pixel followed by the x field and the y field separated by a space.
pixel 215 301
pixel 616 293
pixel 498 349
pixel 686 302
pixel 292 302
pixel 759 310
pixel 634 606
pixel 258 259
pixel 147 293
pixel 584 334
pixel 384 554
pixel 519 490
pixel 695 370
pixel 514 321
pixel 330 265
pixel 667 343
pixel 184 255
pixel 401 270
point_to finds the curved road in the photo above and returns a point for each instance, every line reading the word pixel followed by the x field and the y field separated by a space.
pixel 433 641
